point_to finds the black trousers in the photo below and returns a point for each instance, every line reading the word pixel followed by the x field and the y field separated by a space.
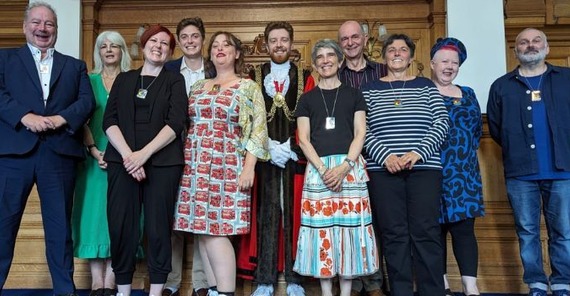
pixel 464 245
pixel 407 212
pixel 270 218
pixel 127 199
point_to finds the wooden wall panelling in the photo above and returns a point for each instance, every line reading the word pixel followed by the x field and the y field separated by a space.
pixel 557 11
pixel 90 29
pixel 11 21
pixel 524 12
pixel 438 19
pixel 311 21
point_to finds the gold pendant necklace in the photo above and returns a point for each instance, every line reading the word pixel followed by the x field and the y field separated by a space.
pixel 398 99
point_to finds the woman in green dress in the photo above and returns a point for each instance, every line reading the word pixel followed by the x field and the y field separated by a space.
pixel 90 229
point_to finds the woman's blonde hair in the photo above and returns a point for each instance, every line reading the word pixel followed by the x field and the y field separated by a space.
pixel 115 38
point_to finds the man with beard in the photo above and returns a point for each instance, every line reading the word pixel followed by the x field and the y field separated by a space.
pixel 355 71
pixel 190 33
pixel 272 243
pixel 528 117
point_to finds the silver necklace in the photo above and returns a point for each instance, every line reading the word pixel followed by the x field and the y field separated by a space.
pixel 142 92
pixel 330 120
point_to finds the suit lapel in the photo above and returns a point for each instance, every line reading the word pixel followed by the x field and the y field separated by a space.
pixel 57 66
pixel 131 88
pixel 30 65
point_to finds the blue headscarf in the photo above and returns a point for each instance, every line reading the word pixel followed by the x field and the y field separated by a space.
pixel 451 44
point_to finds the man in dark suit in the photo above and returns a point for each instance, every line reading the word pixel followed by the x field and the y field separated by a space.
pixel 45 98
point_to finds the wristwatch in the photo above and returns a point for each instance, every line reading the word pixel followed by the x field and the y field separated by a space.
pixel 351 163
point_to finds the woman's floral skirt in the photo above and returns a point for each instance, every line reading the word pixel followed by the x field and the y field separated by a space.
pixel 336 235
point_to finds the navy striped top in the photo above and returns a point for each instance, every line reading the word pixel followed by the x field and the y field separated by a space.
pixel 410 117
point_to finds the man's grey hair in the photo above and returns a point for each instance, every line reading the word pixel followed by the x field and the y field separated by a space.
pixel 35 4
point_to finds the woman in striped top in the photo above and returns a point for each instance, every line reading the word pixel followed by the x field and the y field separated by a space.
pixel 406 124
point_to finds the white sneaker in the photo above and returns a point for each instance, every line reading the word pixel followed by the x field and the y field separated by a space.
pixel 212 293
pixel 263 290
pixel 295 290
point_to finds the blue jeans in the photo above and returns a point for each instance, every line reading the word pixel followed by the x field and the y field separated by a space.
pixel 525 198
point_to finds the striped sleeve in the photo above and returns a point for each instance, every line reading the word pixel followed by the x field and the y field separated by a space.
pixel 437 133
pixel 374 148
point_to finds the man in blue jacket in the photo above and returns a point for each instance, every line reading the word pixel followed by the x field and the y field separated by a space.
pixel 528 111
pixel 45 98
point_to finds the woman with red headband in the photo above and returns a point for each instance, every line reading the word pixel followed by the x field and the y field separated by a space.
pixel 462 195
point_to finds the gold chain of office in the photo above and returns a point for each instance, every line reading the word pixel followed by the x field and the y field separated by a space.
pixel 279 101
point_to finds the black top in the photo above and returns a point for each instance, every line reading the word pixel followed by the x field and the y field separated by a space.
pixel 337 140
pixel 167 105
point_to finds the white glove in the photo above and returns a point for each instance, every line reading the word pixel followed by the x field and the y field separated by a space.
pixel 287 147
pixel 293 156
pixel 278 156
pixel 272 144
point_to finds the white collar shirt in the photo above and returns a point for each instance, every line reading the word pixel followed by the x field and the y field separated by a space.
pixel 44 67
pixel 191 76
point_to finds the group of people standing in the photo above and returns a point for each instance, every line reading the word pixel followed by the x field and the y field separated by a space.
pixel 367 162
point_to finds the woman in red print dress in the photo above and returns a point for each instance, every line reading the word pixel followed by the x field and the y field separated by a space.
pixel 336 236
pixel 226 136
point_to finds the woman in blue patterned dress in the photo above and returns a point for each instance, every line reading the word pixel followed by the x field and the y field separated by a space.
pixel 462 199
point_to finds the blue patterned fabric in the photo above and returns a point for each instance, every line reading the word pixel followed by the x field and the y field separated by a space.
pixel 462 188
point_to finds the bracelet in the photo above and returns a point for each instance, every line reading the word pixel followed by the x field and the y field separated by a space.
pixel 350 162
pixel 322 169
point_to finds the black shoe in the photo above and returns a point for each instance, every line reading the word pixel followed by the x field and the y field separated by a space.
pixel 109 292
pixel 448 292
pixel 98 292
pixel 200 292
